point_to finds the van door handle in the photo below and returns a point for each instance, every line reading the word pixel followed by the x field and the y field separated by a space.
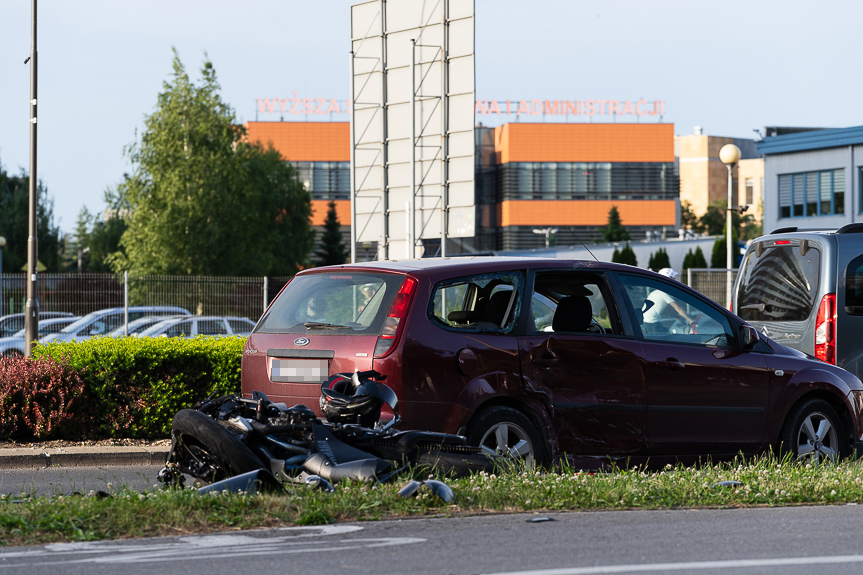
pixel 547 360
pixel 671 364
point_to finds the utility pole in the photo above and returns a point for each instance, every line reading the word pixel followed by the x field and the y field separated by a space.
pixel 31 318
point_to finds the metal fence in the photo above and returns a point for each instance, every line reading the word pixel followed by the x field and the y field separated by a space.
pixel 710 282
pixel 83 293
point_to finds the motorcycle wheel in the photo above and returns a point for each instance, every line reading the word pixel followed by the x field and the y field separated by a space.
pixel 208 451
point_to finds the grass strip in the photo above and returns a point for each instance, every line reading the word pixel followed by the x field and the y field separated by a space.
pixel 25 519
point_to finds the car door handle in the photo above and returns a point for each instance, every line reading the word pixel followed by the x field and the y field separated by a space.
pixel 547 360
pixel 671 364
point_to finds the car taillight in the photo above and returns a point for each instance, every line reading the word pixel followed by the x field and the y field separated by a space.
pixel 394 323
pixel 825 330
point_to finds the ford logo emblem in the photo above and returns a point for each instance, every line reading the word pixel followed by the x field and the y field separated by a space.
pixel 301 341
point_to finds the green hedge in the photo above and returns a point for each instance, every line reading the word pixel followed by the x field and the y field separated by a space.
pixel 134 386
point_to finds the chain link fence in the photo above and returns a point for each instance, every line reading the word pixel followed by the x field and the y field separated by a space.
pixel 711 282
pixel 82 293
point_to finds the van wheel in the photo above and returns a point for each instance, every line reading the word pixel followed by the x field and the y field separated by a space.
pixel 813 432
pixel 506 432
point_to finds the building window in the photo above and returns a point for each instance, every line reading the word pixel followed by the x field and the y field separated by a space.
pixel 325 180
pixel 750 194
pixel 810 194
pixel 587 181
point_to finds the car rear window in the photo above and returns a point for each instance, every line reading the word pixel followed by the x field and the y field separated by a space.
pixel 781 285
pixel 337 303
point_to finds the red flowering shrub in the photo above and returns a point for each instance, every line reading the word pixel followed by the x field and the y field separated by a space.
pixel 40 399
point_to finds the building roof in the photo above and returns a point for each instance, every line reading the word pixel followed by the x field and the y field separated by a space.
pixel 813 140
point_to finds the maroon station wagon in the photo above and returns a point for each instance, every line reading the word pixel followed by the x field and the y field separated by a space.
pixel 543 358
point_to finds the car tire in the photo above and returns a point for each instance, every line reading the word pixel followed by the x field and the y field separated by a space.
pixel 506 431
pixel 812 432
pixel 200 437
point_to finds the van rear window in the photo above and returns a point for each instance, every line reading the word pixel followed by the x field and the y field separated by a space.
pixel 781 285
pixel 334 303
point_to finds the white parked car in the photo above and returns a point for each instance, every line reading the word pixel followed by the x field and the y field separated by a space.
pixel 202 325
pixel 13 345
pixel 140 324
pixel 106 320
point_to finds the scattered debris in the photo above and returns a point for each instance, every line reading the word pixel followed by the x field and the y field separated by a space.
pixel 320 483
pixel 728 484
pixel 245 484
pixel 540 520
pixel 438 488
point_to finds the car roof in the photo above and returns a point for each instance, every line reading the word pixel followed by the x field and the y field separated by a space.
pixel 54 320
pixel 143 308
pixel 455 266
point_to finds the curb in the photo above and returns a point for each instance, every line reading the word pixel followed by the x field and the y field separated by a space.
pixel 82 457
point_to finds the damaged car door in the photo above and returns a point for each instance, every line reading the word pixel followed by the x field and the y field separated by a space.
pixel 574 349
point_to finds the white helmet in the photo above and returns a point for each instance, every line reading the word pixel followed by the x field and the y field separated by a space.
pixel 669 273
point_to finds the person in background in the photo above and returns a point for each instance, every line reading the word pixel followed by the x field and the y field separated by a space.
pixel 663 307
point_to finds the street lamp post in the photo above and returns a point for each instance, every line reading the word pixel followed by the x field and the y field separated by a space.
pixel 547 232
pixel 2 245
pixel 31 319
pixel 730 155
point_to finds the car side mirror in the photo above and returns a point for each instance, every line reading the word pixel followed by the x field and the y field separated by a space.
pixel 748 336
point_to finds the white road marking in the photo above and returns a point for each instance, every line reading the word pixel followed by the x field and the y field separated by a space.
pixel 207 547
pixel 691 565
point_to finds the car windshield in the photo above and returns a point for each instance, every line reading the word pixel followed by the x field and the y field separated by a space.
pixel 781 285
pixel 336 303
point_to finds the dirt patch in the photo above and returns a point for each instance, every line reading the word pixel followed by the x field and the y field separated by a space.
pixel 100 443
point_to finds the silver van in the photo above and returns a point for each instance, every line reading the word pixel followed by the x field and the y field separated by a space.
pixel 803 288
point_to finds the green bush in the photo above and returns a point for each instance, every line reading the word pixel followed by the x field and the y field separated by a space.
pixel 134 386
pixel 658 260
pixel 625 256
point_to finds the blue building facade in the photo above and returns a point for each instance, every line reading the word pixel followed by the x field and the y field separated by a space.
pixel 812 179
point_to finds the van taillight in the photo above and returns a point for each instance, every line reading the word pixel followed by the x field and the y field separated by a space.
pixel 825 330
pixel 394 323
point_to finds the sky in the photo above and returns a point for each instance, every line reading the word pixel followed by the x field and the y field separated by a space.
pixel 728 67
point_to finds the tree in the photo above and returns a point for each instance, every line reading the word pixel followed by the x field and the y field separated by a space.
pixel 659 260
pixel 694 260
pixel 717 258
pixel 688 219
pixel 615 230
pixel 201 199
pixel 98 238
pixel 332 250
pixel 15 227
pixel 624 256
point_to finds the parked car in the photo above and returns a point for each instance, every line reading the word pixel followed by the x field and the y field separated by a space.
pixel 803 287
pixel 12 324
pixel 201 325
pixel 14 345
pixel 106 320
pixel 140 324
pixel 545 358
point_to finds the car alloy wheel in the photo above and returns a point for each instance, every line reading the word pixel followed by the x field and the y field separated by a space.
pixel 817 439
pixel 508 439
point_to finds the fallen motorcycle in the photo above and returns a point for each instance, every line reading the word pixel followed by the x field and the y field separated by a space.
pixel 230 436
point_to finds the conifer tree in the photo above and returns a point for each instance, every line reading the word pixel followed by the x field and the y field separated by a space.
pixel 332 250
pixel 615 231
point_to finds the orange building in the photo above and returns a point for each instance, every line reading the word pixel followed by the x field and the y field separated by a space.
pixel 529 176
pixel 533 176
pixel 321 153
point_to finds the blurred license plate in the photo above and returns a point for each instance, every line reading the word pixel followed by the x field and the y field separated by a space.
pixel 299 370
